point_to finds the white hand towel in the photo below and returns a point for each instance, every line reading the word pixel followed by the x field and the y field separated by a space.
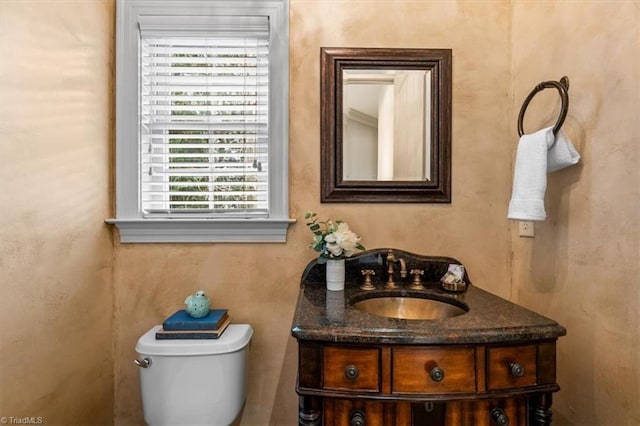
pixel 537 154
pixel 561 154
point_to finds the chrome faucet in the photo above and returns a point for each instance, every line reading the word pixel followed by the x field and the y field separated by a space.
pixel 391 259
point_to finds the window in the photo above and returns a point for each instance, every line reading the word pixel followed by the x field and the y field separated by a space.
pixel 202 125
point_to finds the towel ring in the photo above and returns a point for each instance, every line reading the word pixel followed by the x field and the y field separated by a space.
pixel 563 88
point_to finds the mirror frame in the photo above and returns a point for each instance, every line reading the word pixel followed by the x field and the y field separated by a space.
pixel 333 188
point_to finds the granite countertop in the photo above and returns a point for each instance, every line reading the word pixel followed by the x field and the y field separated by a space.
pixel 328 316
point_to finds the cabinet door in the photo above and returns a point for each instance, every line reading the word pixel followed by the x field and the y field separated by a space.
pixel 511 411
pixel 511 367
pixel 356 412
pixel 433 370
pixel 354 369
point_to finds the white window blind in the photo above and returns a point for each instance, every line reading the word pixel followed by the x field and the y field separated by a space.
pixel 203 119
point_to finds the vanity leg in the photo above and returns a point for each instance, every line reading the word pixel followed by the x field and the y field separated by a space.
pixel 309 411
pixel 540 413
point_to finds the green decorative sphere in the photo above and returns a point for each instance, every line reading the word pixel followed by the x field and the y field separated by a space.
pixel 197 305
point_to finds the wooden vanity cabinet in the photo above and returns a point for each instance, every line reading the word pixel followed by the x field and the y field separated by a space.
pixel 398 385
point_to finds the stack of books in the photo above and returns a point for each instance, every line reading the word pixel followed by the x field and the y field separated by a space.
pixel 182 326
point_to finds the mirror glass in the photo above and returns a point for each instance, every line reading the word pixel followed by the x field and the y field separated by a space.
pixel 385 125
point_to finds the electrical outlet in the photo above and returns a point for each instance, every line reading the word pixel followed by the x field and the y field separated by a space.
pixel 525 229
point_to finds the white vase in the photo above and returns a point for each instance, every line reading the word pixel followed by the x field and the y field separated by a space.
pixel 335 275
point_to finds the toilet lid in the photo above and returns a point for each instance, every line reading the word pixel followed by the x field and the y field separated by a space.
pixel 234 338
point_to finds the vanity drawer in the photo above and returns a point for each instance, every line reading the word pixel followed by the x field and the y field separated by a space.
pixel 351 368
pixel 438 370
pixel 511 366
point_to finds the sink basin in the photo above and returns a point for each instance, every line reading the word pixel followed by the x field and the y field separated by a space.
pixel 412 308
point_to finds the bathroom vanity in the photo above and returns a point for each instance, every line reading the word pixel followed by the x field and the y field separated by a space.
pixel 479 360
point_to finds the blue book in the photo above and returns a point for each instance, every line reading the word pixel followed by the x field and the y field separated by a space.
pixel 181 321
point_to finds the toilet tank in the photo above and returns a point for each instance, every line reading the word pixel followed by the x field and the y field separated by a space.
pixel 194 382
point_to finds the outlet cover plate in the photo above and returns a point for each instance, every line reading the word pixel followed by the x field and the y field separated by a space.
pixel 526 229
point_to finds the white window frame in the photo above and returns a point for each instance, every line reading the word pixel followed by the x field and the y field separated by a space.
pixel 133 226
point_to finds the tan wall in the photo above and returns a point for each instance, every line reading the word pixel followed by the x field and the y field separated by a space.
pixel 584 258
pixel 259 283
pixel 582 268
pixel 56 297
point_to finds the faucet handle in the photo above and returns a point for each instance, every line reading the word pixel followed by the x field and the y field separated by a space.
pixel 367 284
pixel 417 282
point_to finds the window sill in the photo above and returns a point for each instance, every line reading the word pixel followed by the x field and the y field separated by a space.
pixel 202 230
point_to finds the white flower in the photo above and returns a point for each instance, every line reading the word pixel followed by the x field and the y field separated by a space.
pixel 332 239
pixel 342 241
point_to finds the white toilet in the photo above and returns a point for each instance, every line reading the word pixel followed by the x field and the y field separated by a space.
pixel 194 382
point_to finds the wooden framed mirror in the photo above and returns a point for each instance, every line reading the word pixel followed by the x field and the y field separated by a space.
pixel 385 125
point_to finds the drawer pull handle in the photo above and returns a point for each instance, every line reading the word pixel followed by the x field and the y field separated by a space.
pixel 357 418
pixel 499 417
pixel 517 370
pixel 351 372
pixel 436 374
